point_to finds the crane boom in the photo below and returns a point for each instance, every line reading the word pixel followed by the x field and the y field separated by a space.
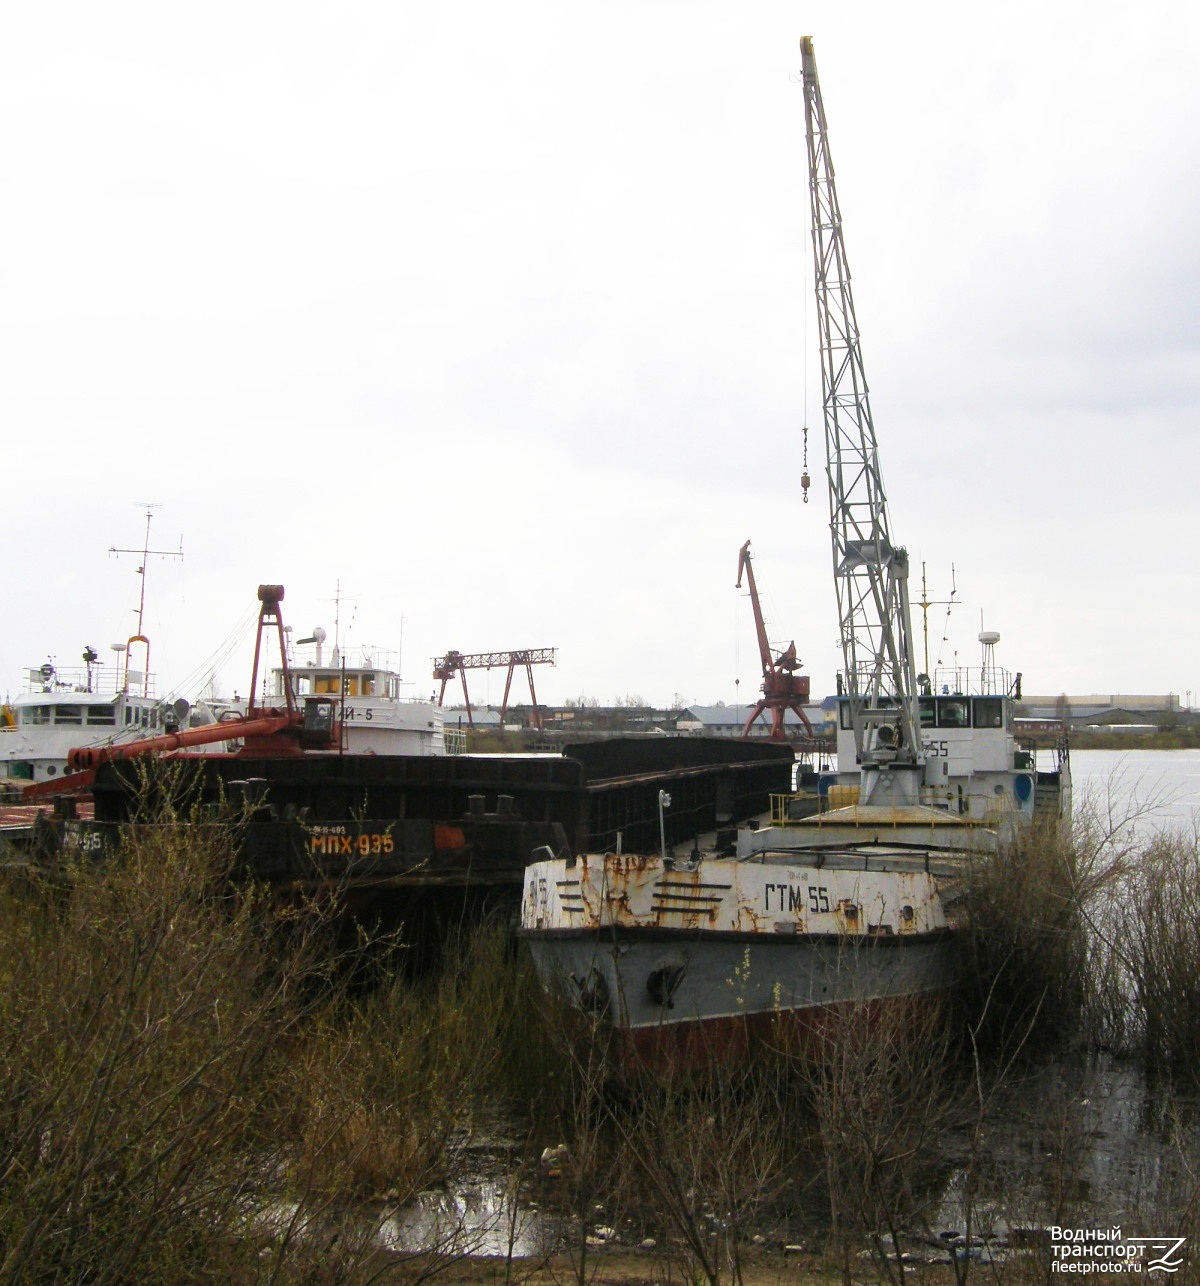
pixel 782 688
pixel 870 571
pixel 745 565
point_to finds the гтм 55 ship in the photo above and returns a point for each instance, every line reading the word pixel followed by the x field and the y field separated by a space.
pixel 689 959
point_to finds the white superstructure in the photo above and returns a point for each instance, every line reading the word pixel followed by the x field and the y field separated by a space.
pixel 975 765
pixel 62 709
pixel 377 719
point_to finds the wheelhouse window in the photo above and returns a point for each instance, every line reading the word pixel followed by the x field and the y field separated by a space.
pixel 68 714
pixel 35 715
pixel 989 712
pixel 954 712
pixel 101 716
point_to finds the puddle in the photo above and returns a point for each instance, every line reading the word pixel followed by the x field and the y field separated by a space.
pixel 1071 1143
pixel 479 1214
pixel 1074 1144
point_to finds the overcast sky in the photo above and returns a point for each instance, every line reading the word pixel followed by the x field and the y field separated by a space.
pixel 500 318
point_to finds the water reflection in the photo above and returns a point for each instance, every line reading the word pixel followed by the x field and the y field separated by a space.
pixel 1083 1143
pixel 476 1214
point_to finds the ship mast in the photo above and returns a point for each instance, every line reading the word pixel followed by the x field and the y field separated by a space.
pixel 140 636
pixel 870 571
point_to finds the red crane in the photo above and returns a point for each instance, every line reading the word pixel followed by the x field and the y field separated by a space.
pixel 262 731
pixel 456 663
pixel 782 688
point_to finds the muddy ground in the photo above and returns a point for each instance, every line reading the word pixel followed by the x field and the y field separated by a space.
pixel 621 1266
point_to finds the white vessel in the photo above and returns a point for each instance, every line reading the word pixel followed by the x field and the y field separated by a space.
pixel 376 718
pixel 94 706
pixel 61 710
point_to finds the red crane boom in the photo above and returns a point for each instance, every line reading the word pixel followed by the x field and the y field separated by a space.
pixel 782 688
pixel 289 731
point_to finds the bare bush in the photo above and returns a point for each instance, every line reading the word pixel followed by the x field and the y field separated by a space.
pixel 142 1013
pixel 1158 938
pixel 883 1085
pixel 708 1154
pixel 192 1082
pixel 386 1086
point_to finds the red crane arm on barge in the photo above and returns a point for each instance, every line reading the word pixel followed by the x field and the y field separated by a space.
pixel 262 731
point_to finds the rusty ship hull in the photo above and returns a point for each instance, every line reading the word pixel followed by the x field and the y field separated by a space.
pixel 691 963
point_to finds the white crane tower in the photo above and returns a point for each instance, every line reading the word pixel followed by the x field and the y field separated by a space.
pixel 870 571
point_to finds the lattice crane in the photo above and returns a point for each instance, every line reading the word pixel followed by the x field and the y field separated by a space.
pixel 869 570
pixel 459 663
pixel 782 688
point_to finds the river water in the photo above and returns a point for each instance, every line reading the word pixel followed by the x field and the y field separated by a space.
pixel 1154 788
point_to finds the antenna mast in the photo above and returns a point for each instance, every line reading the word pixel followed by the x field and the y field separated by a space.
pixel 925 603
pixel 140 636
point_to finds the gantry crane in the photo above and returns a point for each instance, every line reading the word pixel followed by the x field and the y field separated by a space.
pixel 782 688
pixel 870 572
pixel 454 663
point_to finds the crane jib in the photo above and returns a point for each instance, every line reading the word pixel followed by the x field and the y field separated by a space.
pixel 870 571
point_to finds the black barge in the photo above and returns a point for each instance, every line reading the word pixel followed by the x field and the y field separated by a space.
pixel 421 822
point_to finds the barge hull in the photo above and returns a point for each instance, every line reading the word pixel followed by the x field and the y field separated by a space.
pixel 691 961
